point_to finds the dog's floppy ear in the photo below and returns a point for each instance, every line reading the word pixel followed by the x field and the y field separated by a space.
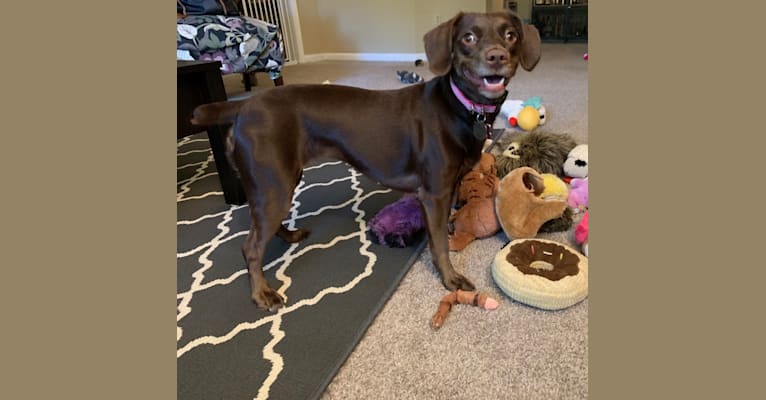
pixel 530 47
pixel 529 52
pixel 438 45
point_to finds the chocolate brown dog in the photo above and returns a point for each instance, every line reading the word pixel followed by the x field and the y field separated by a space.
pixel 420 139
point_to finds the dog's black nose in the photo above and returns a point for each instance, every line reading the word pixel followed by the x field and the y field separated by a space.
pixel 496 56
pixel 580 163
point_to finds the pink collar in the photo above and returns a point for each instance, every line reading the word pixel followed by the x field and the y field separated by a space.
pixel 470 105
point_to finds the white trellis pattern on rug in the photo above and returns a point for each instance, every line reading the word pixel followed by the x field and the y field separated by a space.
pixel 204 169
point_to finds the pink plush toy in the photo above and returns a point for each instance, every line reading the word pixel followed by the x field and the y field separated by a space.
pixel 578 194
pixel 581 234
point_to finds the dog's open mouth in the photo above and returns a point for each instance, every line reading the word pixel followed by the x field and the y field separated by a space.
pixel 487 83
pixel 494 83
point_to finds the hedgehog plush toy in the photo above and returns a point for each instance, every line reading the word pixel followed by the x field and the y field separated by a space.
pixel 543 151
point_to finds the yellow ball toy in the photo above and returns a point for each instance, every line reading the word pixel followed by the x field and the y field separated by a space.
pixel 528 118
pixel 555 188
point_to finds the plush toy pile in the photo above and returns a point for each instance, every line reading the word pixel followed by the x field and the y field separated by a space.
pixel 527 182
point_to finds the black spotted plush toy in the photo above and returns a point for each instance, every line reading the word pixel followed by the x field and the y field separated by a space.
pixel 576 164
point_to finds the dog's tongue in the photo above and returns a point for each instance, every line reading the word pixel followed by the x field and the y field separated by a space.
pixel 494 83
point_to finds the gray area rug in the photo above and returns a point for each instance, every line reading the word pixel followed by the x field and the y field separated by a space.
pixel 335 283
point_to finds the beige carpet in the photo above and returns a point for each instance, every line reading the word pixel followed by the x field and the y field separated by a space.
pixel 514 352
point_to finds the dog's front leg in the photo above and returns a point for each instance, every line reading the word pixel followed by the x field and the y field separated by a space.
pixel 436 209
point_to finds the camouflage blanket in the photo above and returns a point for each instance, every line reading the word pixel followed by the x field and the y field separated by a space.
pixel 240 43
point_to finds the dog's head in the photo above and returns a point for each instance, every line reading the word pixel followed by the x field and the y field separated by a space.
pixel 482 51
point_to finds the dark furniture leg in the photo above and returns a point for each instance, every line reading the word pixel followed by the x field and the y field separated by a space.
pixel 201 83
pixel 247 80
pixel 232 188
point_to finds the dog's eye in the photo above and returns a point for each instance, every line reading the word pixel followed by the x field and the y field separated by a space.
pixel 510 36
pixel 469 38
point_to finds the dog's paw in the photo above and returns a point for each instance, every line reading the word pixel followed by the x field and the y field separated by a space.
pixel 293 236
pixel 268 299
pixel 458 281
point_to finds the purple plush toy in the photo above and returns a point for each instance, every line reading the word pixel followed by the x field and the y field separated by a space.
pixel 397 223
pixel 578 194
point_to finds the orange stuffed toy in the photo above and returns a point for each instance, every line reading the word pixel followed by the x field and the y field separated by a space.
pixel 476 193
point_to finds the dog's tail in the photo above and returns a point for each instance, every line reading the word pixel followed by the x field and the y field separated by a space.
pixel 222 112
pixel 218 113
pixel 229 151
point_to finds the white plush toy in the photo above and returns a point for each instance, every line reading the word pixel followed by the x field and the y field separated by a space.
pixel 526 115
pixel 576 164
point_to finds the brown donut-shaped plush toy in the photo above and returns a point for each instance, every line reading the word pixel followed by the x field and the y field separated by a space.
pixel 541 273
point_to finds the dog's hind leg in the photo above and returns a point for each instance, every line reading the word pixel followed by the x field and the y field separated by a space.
pixel 290 235
pixel 260 291
pixel 269 201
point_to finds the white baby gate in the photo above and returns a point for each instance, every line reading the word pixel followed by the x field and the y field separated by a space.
pixel 279 13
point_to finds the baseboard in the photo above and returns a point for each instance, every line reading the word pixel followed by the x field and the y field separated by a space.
pixel 393 57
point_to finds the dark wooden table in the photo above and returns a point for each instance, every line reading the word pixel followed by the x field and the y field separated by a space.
pixel 200 82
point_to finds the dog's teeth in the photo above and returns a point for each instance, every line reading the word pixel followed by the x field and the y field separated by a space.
pixel 496 82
